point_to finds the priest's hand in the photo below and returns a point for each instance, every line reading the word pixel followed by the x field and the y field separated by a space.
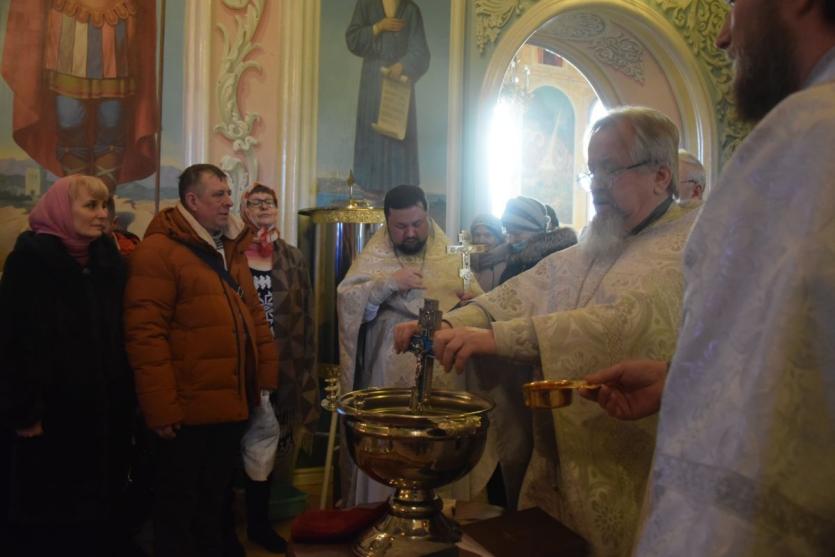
pixel 408 279
pixel 629 390
pixel 390 25
pixel 403 333
pixel 395 71
pixel 455 347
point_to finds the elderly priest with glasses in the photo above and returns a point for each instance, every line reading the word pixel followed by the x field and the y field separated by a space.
pixel 616 294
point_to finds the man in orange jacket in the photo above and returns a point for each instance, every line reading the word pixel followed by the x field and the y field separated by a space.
pixel 201 351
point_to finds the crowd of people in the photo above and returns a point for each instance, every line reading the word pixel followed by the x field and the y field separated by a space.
pixel 698 320
pixel 179 339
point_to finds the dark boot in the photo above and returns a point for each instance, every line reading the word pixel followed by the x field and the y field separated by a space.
pixel 232 546
pixel 258 527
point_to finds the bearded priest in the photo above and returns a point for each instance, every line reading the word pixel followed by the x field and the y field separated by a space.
pixel 405 262
pixel 617 293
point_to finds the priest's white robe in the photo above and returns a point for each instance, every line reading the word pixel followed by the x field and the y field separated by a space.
pixel 745 458
pixel 369 306
pixel 574 315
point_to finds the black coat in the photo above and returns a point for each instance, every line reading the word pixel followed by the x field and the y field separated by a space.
pixel 64 364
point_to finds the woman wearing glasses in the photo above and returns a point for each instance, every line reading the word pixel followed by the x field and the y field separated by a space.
pixel 283 284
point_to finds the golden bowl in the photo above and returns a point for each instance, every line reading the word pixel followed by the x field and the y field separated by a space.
pixel 552 393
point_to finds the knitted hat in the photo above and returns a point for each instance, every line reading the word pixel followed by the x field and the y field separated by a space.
pixel 525 213
pixel 493 224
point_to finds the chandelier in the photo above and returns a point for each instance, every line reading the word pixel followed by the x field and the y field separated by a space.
pixel 516 83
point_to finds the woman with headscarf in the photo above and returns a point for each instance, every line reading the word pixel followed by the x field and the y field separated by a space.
pixel 488 266
pixel 533 233
pixel 282 281
pixel 66 392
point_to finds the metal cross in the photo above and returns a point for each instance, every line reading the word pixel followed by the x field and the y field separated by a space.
pixel 429 321
pixel 465 248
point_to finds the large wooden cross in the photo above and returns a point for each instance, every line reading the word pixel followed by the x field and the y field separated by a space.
pixel 465 248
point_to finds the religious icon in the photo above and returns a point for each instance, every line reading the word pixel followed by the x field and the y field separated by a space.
pixel 548 152
pixel 83 75
pixel 389 36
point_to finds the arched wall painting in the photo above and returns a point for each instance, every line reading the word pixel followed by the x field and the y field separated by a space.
pixel 23 179
pixel 548 150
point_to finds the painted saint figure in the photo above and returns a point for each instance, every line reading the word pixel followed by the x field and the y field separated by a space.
pixel 83 77
pixel 386 34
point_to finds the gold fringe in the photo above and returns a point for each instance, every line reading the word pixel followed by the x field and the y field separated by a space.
pixel 82 88
pixel 118 9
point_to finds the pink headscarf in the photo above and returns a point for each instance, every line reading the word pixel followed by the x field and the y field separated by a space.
pixel 53 215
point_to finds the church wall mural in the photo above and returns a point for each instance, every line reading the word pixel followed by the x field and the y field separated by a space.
pixel 58 133
pixel 349 92
pixel 548 150
pixel 333 128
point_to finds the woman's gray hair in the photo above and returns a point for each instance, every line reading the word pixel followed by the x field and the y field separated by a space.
pixel 656 137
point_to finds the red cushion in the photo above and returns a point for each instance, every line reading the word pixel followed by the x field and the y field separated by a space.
pixel 335 525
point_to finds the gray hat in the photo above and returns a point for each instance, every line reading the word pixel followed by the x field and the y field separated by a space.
pixel 525 213
pixel 493 224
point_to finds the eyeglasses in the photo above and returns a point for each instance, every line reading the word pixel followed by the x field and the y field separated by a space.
pixel 260 203
pixel 606 178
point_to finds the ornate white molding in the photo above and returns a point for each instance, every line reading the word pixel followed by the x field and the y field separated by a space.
pixel 622 53
pixel 699 22
pixel 196 93
pixel 234 126
pixel 611 47
pixel 492 16
pixel 298 102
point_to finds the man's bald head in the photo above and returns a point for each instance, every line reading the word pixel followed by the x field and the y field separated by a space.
pixel 692 182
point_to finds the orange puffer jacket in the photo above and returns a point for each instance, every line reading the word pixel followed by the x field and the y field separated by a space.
pixel 198 350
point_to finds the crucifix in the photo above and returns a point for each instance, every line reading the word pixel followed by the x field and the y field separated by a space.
pixel 465 248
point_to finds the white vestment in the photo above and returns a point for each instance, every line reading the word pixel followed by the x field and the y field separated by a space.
pixel 745 458
pixel 574 315
pixel 369 306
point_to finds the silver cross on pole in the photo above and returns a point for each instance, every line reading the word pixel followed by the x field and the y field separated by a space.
pixel 465 248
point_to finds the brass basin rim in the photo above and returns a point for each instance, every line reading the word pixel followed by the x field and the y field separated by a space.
pixel 451 430
pixel 478 406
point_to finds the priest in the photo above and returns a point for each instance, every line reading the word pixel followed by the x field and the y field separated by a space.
pixel 403 263
pixel 616 293
pixel 745 460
